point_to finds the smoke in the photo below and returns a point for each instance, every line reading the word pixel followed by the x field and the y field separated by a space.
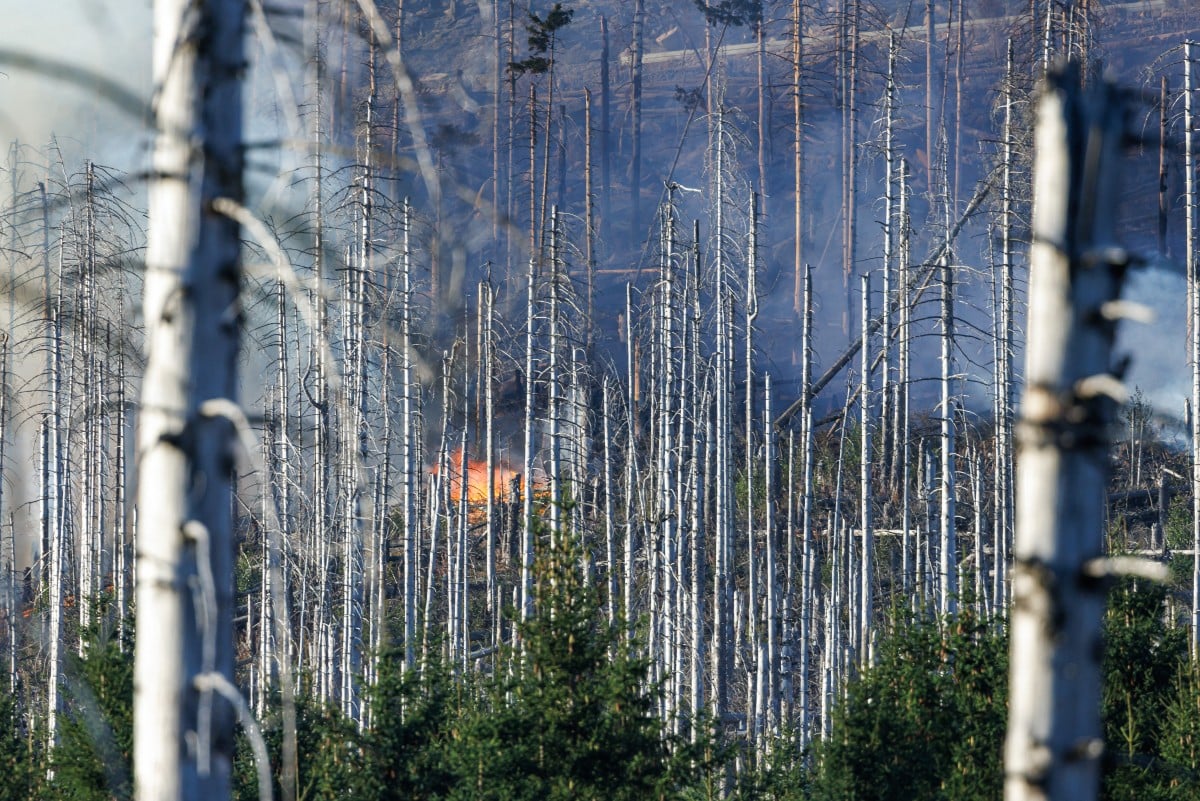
pixel 104 38
pixel 1158 349
pixel 73 73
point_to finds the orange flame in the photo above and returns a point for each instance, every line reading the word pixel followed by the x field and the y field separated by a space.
pixel 477 479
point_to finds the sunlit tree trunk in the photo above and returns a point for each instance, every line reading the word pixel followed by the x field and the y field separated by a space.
pixel 183 666
pixel 1004 450
pixel 771 655
pixel 610 526
pixel 908 546
pixel 1193 307
pixel 851 22
pixel 605 141
pixel 797 153
pixel 488 358
pixel 85 382
pixel 867 575
pixel 930 88
pixel 754 676
pixel 635 106
pixel 630 466
pixel 947 487
pixel 410 447
pixel 722 436
pixel 50 501
pixel 527 527
pixel 1054 744
pixel 700 450
pixel 808 590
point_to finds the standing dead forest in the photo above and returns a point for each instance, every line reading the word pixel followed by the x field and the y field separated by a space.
pixel 588 400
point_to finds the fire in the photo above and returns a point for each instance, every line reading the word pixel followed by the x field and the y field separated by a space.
pixel 477 479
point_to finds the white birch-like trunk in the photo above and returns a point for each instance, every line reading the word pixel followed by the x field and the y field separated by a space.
pixel 947 489
pixel 636 49
pixel 1004 450
pixel 1193 306
pixel 787 612
pixel 887 427
pixel 797 20
pixel 183 730
pixel 461 573
pixel 700 420
pixel 841 593
pixel 981 562
pixel 52 554
pixel 867 574
pixel 909 544
pixel 808 592
pixel 754 673
pixel 527 527
pixel 554 379
pixel 410 448
pixel 630 466
pixel 664 392
pixel 85 376
pixel 610 526
pixel 1054 741
pixel 488 357
pixel 771 556
pixel 51 525
pixel 723 585
pixel 124 546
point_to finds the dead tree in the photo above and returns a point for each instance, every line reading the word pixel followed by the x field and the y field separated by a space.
pixel 184 696
pixel 1054 732
pixel 1189 156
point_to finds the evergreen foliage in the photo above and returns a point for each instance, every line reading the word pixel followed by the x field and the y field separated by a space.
pixel 784 775
pixel 330 759
pixel 1145 688
pixel 93 759
pixel 574 722
pixel 1180 743
pixel 542 31
pixel 564 705
pixel 927 722
pixel 20 762
pixel 734 13
pixel 417 716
